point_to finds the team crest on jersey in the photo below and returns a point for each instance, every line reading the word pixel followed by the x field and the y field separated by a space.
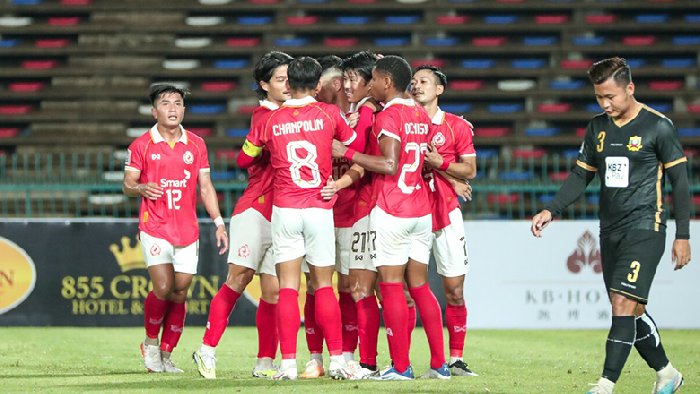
pixel 244 251
pixel 188 157
pixel 635 143
pixel 155 250
pixel 439 139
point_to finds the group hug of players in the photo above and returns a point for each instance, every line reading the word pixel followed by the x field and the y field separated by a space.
pixel 370 205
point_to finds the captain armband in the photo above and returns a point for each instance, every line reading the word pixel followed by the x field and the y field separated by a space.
pixel 251 150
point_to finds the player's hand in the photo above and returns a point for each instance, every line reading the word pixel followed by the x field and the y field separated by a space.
pixel 221 239
pixel 371 104
pixel 681 253
pixel 353 118
pixel 432 158
pixel 150 190
pixel 540 221
pixel 331 188
pixel 338 149
pixel 463 189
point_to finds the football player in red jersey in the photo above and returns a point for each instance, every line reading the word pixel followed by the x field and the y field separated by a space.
pixel 451 151
pixel 402 215
pixel 164 166
pixel 251 235
pixel 299 137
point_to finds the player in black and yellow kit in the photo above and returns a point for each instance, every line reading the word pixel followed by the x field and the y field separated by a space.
pixel 631 147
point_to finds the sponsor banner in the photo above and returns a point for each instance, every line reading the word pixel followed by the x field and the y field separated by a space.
pixel 518 281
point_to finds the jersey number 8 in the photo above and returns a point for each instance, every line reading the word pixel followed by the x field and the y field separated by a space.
pixel 300 162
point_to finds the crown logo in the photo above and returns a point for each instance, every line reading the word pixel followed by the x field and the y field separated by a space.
pixel 129 258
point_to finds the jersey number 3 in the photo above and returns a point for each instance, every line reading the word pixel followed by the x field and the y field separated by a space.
pixel 309 161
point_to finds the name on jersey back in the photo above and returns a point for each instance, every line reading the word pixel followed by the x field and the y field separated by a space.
pixel 297 127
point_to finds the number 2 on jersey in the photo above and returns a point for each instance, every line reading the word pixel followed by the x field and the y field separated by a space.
pixel 174 196
pixel 418 151
pixel 300 162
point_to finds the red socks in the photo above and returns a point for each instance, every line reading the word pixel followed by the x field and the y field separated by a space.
pixel 172 328
pixel 411 323
pixel 154 310
pixel 314 335
pixel 328 319
pixel 368 329
pixel 219 311
pixel 431 317
pixel 288 321
pixel 348 315
pixel 456 321
pixel 396 322
pixel 266 321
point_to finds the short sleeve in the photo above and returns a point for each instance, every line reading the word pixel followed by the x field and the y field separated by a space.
pixel 464 142
pixel 586 154
pixel 134 157
pixel 387 125
pixel 669 149
pixel 203 158
pixel 343 132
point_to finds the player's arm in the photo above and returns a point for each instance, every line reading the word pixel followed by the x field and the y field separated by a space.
pixel 352 175
pixel 386 164
pixel 211 204
pixel 678 175
pixel 248 155
pixel 132 188
pixel 460 185
pixel 465 168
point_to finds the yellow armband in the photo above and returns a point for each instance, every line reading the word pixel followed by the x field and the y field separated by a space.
pixel 251 150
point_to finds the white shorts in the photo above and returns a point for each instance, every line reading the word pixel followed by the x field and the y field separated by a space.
pixel 299 232
pixel 450 247
pixel 362 245
pixel 159 251
pixel 343 241
pixel 250 242
pixel 399 239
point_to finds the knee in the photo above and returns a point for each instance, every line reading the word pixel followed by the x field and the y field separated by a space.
pixel 239 281
pixel 271 296
pixel 163 290
pixel 178 295
pixel 622 306
pixel 361 292
pixel 455 296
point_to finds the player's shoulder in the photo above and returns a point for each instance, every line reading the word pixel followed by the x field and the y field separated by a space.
pixel 657 120
pixel 458 121
pixel 141 141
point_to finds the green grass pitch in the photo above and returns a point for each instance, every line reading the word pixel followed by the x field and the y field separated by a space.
pixel 71 360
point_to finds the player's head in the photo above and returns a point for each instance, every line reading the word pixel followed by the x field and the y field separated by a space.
pixel 304 74
pixel 612 83
pixel 331 79
pixel 168 103
pixel 270 73
pixel 357 72
pixel 427 84
pixel 391 77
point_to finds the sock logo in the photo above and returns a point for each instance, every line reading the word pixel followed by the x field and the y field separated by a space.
pixel 350 327
pixel 389 332
pixel 310 331
pixel 462 328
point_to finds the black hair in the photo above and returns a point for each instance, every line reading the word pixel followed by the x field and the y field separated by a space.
pixel 398 69
pixel 159 89
pixel 439 75
pixel 614 67
pixel 361 63
pixel 329 61
pixel 266 66
pixel 303 73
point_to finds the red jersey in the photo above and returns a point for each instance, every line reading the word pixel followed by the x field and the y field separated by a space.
pixel 258 194
pixel 344 210
pixel 299 136
pixel 453 139
pixel 176 169
pixel 404 194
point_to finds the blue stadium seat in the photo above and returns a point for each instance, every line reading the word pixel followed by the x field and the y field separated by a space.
pixel 593 107
pixel 312 1
pixel 231 63
pixel 254 20
pixel 661 107
pixel 651 18
pixel 567 85
pixel 486 153
pixel 391 41
pixel 689 131
pixel 9 43
pixel 500 19
pixel 402 19
pixel 570 153
pixel 692 18
pixel 686 40
pixel 292 42
pixel 540 40
pixel 636 63
pixel 516 176
pixel 441 41
pixel 541 131
pixel 478 63
pixel 528 63
pixel 352 20
pixel 505 108
pixel 593 199
pixel 26 2
pixel 545 198
pixel 678 63
pixel 456 108
pixel 237 132
pixel 207 109
pixel 223 175
pixel 588 41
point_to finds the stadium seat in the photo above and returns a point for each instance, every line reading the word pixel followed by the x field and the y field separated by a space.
pixel 651 18
pixel 516 176
pixel 489 41
pixel 666 85
pixel 644 40
pixel 545 199
pixel 692 18
pixel 15 109
pixel 214 2
pixel 694 108
pixel 526 153
pixel 441 41
pixel 204 20
pixel 505 108
pixel 539 40
pixel 500 19
pixel 478 63
pixel 528 63
pixel 237 132
pixel 247 109
pixel 566 84
pixel 551 19
pixel 201 131
pixel 15 21
pixel 25 2
pixel 26 86
pixel 554 108
pixel 636 63
pixel 192 42
pixel 515 85
pixel 575 64
pixel 224 175
pixel 181 64
pixel 63 21
pixel 600 19
pixel 226 154
pixel 402 19
pixel 678 63
pixel 542 131
pixel 558 176
pixel 242 42
pixel 492 132
pixel 433 62
pixel 9 132
pixel 689 131
pixel 456 108
pixel 292 41
pixel 593 107
pixel 686 40
pixel 352 20
pixel 502 198
pixel 661 107
pixel 586 40
pixel 311 1
pixel 451 19
pixel 75 2
pixel 254 20
pixel 302 20
pixel 465 84
pixel 263 2
pixel 51 43
pixel 231 63
pixel 218 86
pixel 362 1
pixel 8 42
pixel 340 42
pixel 206 109
pixel 581 131
pixel 391 41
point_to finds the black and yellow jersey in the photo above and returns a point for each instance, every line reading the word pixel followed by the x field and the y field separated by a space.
pixel 630 161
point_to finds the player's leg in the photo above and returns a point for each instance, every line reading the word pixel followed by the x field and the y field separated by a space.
pixel 368 318
pixel 314 336
pixel 648 344
pixel 348 308
pixel 266 323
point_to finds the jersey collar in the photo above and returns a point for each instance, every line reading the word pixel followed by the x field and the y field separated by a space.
pixel 268 104
pixel 439 117
pixel 156 137
pixel 299 102
pixel 401 101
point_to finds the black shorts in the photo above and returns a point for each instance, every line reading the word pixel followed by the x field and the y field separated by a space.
pixel 629 262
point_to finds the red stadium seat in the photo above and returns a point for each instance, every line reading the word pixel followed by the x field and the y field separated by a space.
pixel 466 84
pixel 535 153
pixel 451 19
pixel 302 20
pixel 492 132
pixel 26 86
pixel 603 19
pixel 11 109
pixel 551 19
pixel 218 86
pixel 247 109
pixel 434 62
pixel 63 20
pixel 489 41
pixel 39 64
pixel 554 108
pixel 558 176
pixel 9 132
pixel 694 108
pixel 75 2
pixel 243 42
pixel 51 43
pixel 226 154
pixel 340 42
pixel 575 64
pixel 362 1
pixel 502 199
pixel 201 131
pixel 581 132
pixel 666 85
pixel 638 40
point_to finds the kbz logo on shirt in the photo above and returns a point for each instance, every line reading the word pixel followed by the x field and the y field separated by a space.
pixel 173 189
